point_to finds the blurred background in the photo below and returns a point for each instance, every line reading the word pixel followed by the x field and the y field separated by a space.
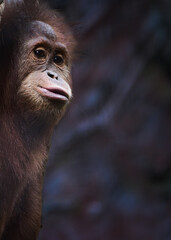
pixel 109 173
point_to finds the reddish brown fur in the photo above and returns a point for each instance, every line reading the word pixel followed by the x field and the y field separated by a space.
pixel 27 119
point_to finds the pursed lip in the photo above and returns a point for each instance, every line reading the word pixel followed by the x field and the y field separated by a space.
pixel 58 94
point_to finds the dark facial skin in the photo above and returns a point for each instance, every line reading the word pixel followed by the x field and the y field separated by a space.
pixel 46 79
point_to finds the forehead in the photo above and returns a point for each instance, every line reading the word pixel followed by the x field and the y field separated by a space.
pixel 38 28
pixel 40 33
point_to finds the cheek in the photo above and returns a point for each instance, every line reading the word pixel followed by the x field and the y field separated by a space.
pixel 28 86
pixel 66 74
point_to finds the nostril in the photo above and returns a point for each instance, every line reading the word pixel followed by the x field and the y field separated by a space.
pixel 52 75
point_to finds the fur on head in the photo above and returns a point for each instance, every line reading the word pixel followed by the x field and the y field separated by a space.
pixel 17 23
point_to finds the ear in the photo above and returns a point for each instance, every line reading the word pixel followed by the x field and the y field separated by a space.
pixel 2 5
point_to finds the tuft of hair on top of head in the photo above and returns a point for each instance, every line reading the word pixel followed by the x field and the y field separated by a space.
pixel 19 13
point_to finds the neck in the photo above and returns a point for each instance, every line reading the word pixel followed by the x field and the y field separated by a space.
pixel 24 142
pixel 27 132
pixel 34 130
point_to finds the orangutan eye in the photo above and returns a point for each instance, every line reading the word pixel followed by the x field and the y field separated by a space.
pixel 40 53
pixel 58 59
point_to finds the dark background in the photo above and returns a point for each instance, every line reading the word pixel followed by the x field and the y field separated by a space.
pixel 109 173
